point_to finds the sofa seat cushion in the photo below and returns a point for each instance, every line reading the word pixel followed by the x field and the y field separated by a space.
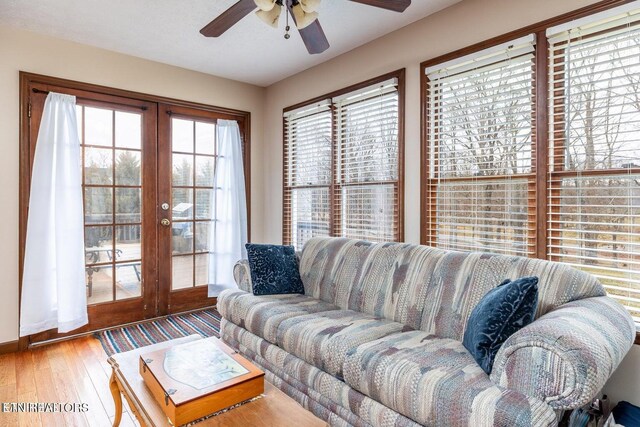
pixel 436 381
pixel 324 339
pixel 261 315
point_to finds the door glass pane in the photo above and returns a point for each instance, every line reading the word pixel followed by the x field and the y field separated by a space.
pixel 128 242
pixel 202 235
pixel 128 130
pixel 205 138
pixel 182 135
pixel 98 205
pixel 98 244
pixel 182 272
pixel 202 269
pixel 204 171
pixel 128 205
pixel 204 204
pixel 182 237
pixel 128 280
pixel 99 283
pixel 98 129
pixel 182 203
pixel 182 170
pixel 98 167
pixel 128 167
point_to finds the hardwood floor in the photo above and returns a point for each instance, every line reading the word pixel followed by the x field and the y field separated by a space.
pixel 73 371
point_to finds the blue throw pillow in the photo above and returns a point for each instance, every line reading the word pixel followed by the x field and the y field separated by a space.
pixel 274 269
pixel 500 313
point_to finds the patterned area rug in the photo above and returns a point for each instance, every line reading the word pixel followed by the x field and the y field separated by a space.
pixel 205 323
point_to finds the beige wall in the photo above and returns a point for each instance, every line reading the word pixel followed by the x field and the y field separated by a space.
pixel 461 25
pixel 624 384
pixel 24 51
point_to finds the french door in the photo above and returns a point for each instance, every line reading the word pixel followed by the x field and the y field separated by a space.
pixel 187 194
pixel 149 201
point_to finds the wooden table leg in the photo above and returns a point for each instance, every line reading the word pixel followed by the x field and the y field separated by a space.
pixel 117 399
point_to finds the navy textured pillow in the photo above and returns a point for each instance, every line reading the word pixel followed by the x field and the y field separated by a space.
pixel 274 269
pixel 500 313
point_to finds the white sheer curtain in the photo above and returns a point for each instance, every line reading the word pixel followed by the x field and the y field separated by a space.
pixel 53 284
pixel 230 224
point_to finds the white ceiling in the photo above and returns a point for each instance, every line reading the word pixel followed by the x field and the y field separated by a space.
pixel 167 31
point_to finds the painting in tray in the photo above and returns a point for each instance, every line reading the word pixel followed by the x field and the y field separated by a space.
pixel 201 364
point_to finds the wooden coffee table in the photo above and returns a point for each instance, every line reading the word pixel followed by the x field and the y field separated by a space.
pixel 274 409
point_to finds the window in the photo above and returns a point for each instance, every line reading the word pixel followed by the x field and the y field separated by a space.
pixel 343 163
pixel 307 164
pixel 480 133
pixel 532 147
pixel 594 159
pixel 367 174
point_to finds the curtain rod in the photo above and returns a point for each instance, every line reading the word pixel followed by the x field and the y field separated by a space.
pixel 46 92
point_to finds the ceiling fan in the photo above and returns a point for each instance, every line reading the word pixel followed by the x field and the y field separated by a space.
pixel 303 12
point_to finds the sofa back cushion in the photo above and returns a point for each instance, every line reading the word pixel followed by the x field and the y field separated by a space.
pixel 427 288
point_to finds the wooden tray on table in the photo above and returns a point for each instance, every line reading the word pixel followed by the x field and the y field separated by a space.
pixel 195 379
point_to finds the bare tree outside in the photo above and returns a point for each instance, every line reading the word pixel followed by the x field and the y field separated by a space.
pixel 598 205
pixel 481 133
pixel 368 167
pixel 309 178
pixel 360 182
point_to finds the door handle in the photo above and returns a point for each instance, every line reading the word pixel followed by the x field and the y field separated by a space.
pixel 165 222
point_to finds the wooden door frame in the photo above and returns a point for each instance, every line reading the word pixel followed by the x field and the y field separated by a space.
pixel 105 94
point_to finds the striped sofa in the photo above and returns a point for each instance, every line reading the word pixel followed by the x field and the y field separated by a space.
pixel 376 338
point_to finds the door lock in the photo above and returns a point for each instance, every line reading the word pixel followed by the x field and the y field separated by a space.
pixel 165 222
pixel 165 206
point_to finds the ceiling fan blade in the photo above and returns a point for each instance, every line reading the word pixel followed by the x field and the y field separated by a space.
pixel 312 35
pixel 314 38
pixel 394 5
pixel 228 18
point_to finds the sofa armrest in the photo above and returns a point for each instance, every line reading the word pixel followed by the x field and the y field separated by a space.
pixel 565 357
pixel 242 275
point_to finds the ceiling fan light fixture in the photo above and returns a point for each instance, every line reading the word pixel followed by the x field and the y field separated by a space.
pixel 265 5
pixel 270 17
pixel 310 5
pixel 303 19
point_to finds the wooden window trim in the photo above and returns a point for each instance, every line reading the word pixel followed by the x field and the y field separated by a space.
pixel 334 220
pixel 126 100
pixel 540 163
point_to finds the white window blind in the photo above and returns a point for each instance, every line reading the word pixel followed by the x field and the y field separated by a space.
pixel 481 182
pixel 594 137
pixel 307 164
pixel 367 175
pixel 342 167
